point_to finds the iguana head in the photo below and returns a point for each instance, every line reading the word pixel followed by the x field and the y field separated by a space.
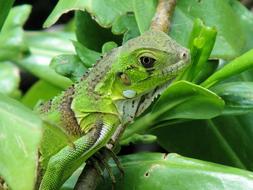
pixel 146 63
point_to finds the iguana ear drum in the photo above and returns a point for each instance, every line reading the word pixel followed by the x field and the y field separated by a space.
pixel 124 78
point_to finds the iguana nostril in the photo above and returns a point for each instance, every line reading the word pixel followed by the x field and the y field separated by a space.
pixel 184 55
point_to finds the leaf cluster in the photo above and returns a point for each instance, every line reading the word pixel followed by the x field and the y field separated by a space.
pixel 205 114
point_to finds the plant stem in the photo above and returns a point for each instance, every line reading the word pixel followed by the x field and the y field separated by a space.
pixel 162 18
pixel 87 179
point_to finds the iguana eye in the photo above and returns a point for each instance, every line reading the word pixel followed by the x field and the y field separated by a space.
pixel 147 62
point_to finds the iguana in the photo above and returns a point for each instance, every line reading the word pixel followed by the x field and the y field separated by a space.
pixel 117 89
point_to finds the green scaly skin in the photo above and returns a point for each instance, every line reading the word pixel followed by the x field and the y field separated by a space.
pixel 117 89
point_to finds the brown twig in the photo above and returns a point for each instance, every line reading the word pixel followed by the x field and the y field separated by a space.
pixel 88 179
pixel 162 18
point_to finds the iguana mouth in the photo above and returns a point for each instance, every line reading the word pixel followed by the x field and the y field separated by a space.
pixel 175 68
pixel 147 99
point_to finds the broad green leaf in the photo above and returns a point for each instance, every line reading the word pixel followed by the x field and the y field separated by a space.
pixel 108 46
pixel 12 45
pixel 43 47
pixel 38 65
pixel 181 26
pixel 103 11
pixel 106 13
pixel 225 139
pixel 236 132
pixel 53 140
pixel 87 56
pixel 5 6
pixel 229 43
pixel 209 68
pixel 238 96
pixel 126 24
pixel 70 26
pixel 90 34
pixel 151 171
pixel 70 183
pixel 223 143
pixel 144 12
pixel 50 43
pixel 20 134
pixel 236 66
pixel 68 65
pixel 64 6
pixel 17 17
pixel 181 100
pixel 246 20
pixel 40 91
pixel 9 79
pixel 186 100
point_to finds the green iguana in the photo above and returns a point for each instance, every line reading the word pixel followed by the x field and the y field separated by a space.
pixel 117 89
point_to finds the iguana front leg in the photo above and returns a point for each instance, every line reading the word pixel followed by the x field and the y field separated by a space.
pixel 67 160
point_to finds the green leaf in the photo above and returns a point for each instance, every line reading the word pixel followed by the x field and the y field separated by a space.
pixel 41 42
pixel 139 139
pixel 236 66
pixel 106 13
pixel 20 131
pixel 229 44
pixel 126 24
pixel 40 91
pixel 117 15
pixel 54 139
pixel 87 56
pixel 90 34
pixel 186 100
pixel 69 66
pixel 210 67
pixel 108 46
pixel 237 96
pixel 181 100
pixel 225 139
pixel 70 183
pixel 12 45
pixel 246 21
pixel 42 51
pixel 17 17
pixel 144 12
pixel 5 6
pixel 161 171
pixel 9 79
pixel 201 44
pixel 38 65
pixel 236 132
pixel 103 11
